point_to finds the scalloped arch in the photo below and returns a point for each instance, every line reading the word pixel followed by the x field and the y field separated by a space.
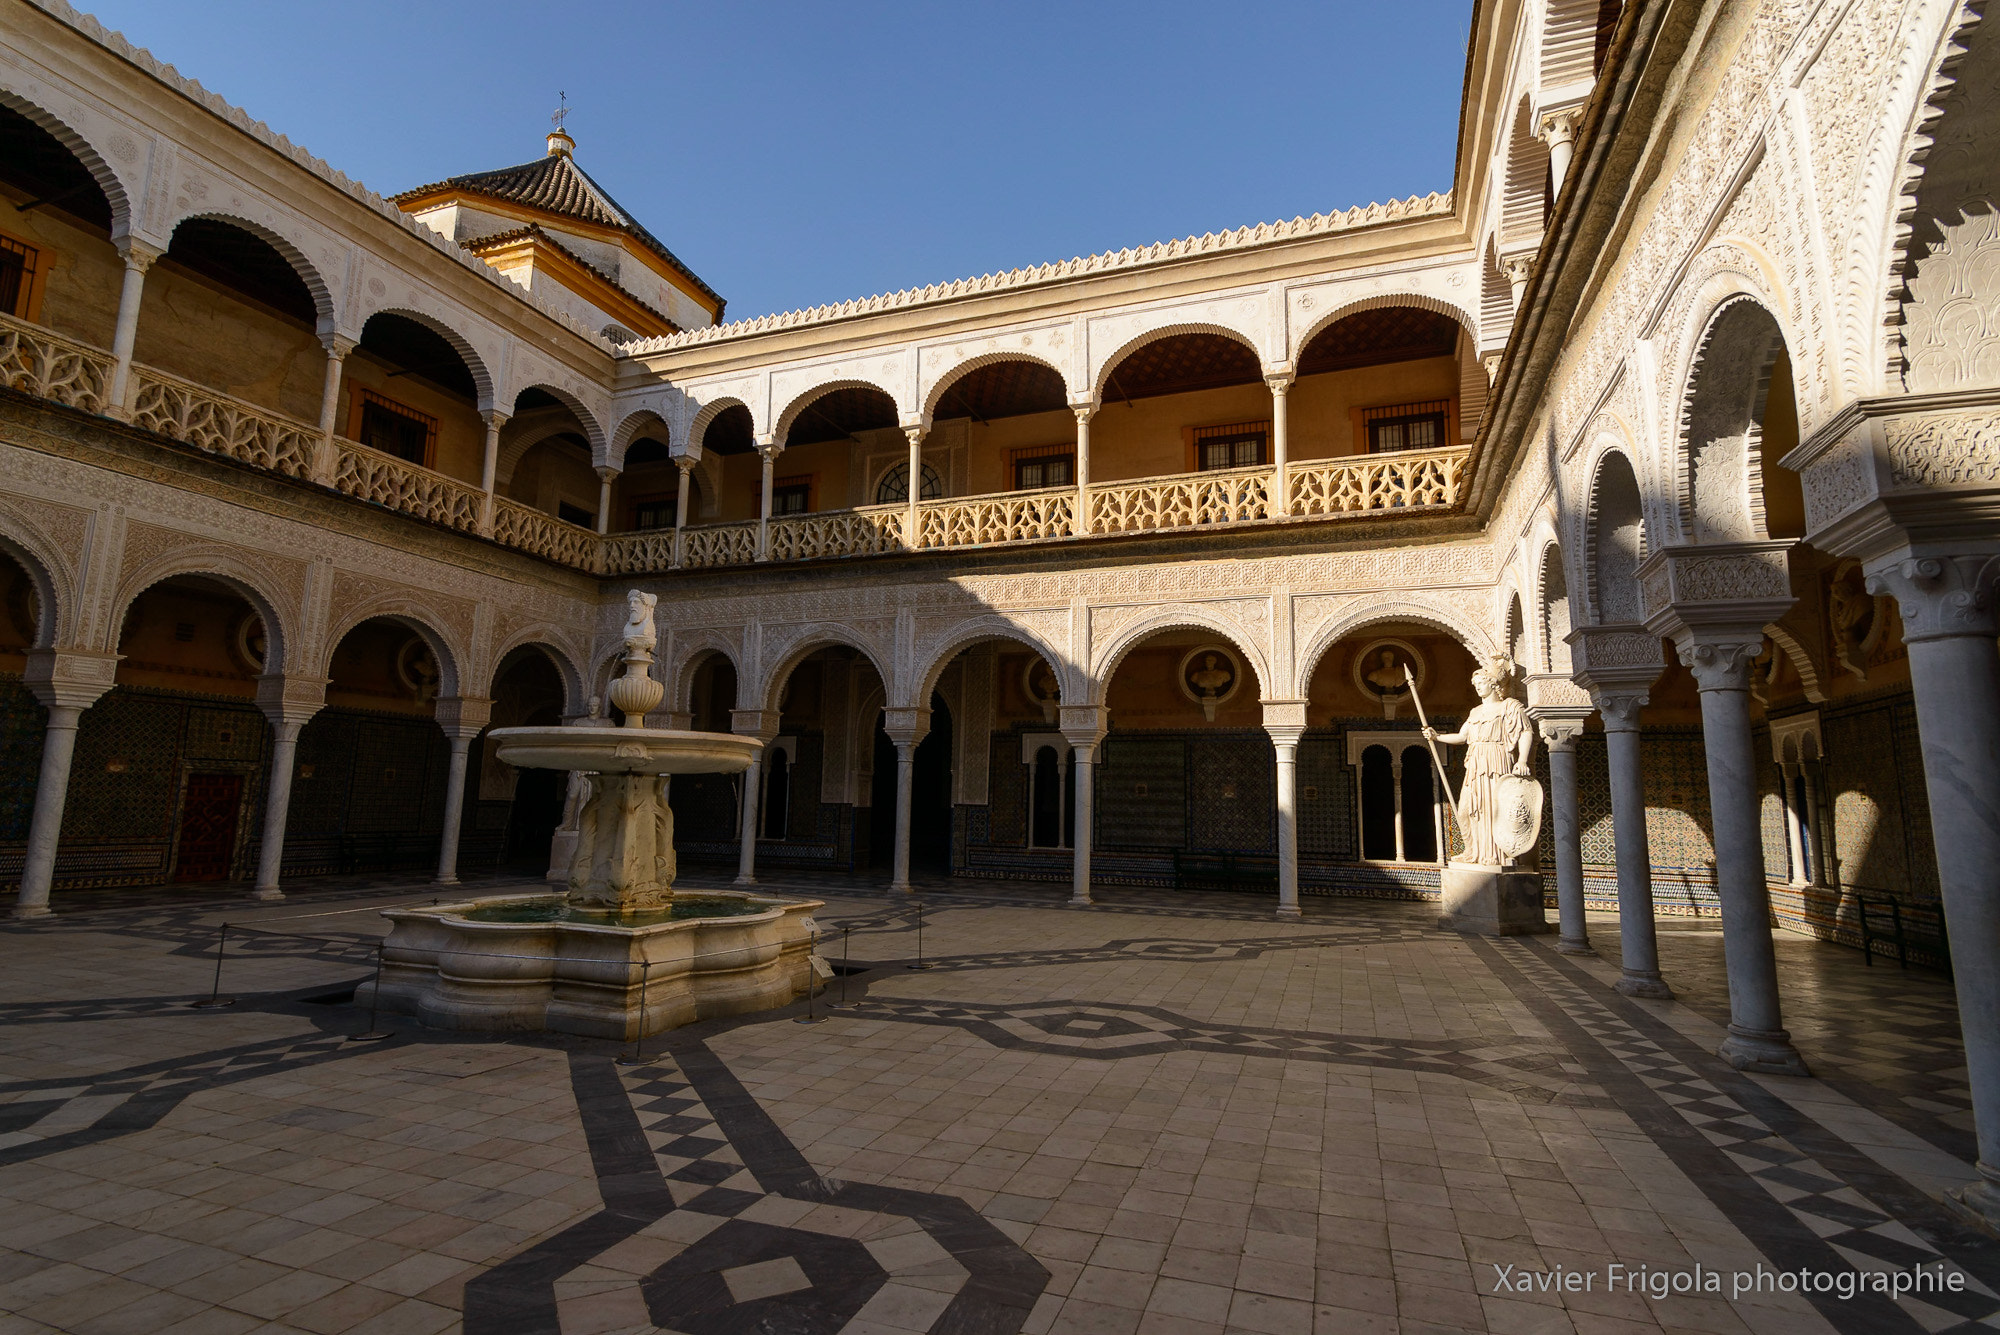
pixel 1725 367
pixel 405 612
pixel 705 416
pixel 1420 300
pixel 1477 641
pixel 227 567
pixel 482 378
pixel 992 627
pixel 1165 331
pixel 805 399
pixel 562 658
pixel 628 429
pixel 80 146
pixel 689 649
pixel 593 430
pixel 957 372
pixel 1187 616
pixel 55 622
pixel 268 231
pixel 812 638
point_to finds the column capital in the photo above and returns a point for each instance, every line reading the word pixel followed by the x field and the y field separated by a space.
pixel 1278 381
pixel 1619 708
pixel 1084 726
pixel 605 472
pixel 1623 659
pixel 137 254
pixel 338 346
pixel 1719 664
pixel 759 723
pixel 1559 127
pixel 1717 590
pixel 1941 596
pixel 769 448
pixel 463 717
pixel 1286 717
pixel 1560 725
pixel 1514 268
pixel 494 418
pixel 291 698
pixel 914 433
pixel 68 678
pixel 687 463
pixel 1084 411
pixel 906 726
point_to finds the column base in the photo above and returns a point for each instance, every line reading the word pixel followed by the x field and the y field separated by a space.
pixel 1492 902
pixel 1568 947
pixel 1082 901
pixel 900 888
pixel 1978 1204
pixel 1290 912
pixel 31 911
pixel 1650 986
pixel 1762 1052
pixel 446 881
pixel 744 880
pixel 268 893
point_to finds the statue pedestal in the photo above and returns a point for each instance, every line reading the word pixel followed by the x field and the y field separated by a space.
pixel 1492 901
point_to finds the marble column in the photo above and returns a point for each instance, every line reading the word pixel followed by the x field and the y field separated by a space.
pixel 1559 735
pixel 605 477
pixel 906 761
pixel 1949 622
pixel 66 684
pixel 753 788
pixel 1797 819
pixel 289 703
pixel 337 349
pixel 462 718
pixel 125 334
pixel 1638 942
pixel 1516 271
pixel 913 531
pixel 1281 446
pixel 1558 130
pixel 686 467
pixel 1286 741
pixel 769 453
pixel 1080 525
pixel 1757 1040
pixel 1083 727
pixel 489 469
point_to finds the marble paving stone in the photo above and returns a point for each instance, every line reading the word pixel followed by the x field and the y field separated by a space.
pixel 1163 1114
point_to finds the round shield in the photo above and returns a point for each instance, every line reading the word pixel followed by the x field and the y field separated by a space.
pixel 1517 816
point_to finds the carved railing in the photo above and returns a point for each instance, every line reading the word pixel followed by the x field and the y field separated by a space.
pixel 1013 516
pixel 638 553
pixel 33 360
pixel 719 544
pixel 864 532
pixel 542 534
pixel 1410 479
pixel 184 411
pixel 395 484
pixel 1184 500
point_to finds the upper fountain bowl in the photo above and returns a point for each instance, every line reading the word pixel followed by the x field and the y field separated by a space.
pixel 627 750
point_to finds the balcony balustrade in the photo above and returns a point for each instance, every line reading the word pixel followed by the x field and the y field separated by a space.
pixel 39 362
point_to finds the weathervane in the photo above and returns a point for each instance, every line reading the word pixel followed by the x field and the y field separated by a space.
pixel 561 112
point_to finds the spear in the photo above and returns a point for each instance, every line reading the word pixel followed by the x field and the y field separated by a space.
pixel 1436 759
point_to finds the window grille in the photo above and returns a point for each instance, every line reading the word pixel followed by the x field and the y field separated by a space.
pixel 1407 426
pixel 17 276
pixel 1237 445
pixel 895 485
pixel 392 428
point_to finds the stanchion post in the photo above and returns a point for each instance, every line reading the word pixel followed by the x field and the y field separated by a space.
pixel 920 964
pixel 638 1057
pixel 215 997
pixel 813 964
pixel 372 1034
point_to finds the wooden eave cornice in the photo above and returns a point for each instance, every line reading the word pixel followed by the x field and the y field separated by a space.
pixel 578 276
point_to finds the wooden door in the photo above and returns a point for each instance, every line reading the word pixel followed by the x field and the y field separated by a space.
pixel 208 827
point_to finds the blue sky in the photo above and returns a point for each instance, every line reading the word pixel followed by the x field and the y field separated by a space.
pixel 793 154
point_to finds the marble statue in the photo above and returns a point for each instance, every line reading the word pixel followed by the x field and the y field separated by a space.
pixel 1499 795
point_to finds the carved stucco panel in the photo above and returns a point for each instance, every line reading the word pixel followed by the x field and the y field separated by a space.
pixel 1955 451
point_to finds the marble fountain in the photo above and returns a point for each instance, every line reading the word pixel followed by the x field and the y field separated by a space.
pixel 620 954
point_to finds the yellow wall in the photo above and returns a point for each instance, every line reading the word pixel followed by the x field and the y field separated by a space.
pixel 553 471
pixel 207 661
pixel 82 272
pixel 190 327
pixel 461 435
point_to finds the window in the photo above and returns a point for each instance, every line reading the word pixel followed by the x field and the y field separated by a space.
pixel 575 514
pixel 1051 790
pixel 1407 426
pixel 17 278
pixel 653 512
pixel 394 429
pixel 895 485
pixel 1237 445
pixel 1399 797
pixel 1054 470
pixel 791 498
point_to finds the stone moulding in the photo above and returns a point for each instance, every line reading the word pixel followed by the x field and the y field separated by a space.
pixel 586 978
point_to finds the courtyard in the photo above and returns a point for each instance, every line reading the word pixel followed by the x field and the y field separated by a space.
pixel 1165 1113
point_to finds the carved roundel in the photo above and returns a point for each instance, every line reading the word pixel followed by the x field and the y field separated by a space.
pixel 1038 681
pixel 1378 669
pixel 417 668
pixel 1210 674
pixel 249 641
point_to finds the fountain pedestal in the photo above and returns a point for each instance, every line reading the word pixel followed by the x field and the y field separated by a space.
pixel 621 955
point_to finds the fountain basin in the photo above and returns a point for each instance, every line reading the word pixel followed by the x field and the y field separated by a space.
pixel 454 966
pixel 627 750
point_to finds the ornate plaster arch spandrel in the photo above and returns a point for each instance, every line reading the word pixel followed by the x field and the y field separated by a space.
pixel 51 538
pixel 1315 307
pixel 110 151
pixel 356 597
pixel 941 639
pixel 1245 317
pixel 1116 630
pixel 942 366
pixel 152 553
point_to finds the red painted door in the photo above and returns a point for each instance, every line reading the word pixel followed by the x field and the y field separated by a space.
pixel 208 827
